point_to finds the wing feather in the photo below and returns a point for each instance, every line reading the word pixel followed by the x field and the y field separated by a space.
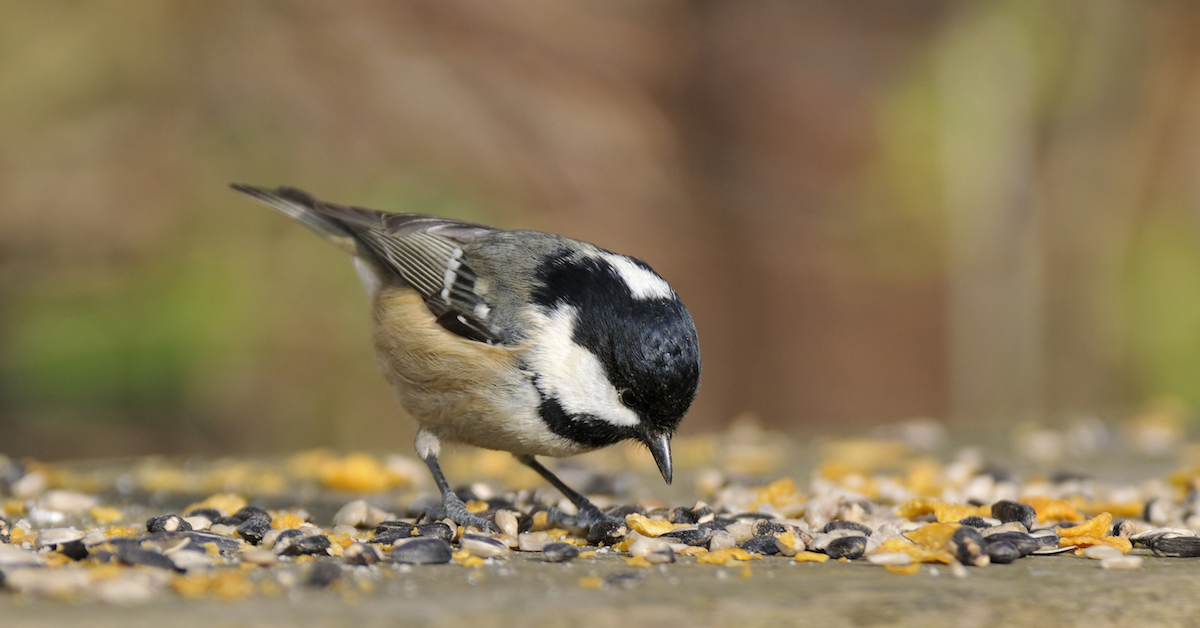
pixel 425 251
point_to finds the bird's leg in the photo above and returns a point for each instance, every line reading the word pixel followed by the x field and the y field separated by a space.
pixel 428 447
pixel 588 515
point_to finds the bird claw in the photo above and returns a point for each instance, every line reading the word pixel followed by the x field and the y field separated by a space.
pixel 587 517
pixel 457 511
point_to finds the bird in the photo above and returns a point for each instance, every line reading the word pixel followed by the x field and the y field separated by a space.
pixel 513 340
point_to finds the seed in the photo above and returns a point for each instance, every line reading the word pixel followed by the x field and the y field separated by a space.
pixel 482 546
pixel 1002 552
pixel 304 546
pixel 167 523
pixel 1130 563
pixel 741 531
pixel 247 512
pixel 53 537
pixel 1009 511
pixel 437 530
pixel 422 551
pixel 702 513
pixel 694 536
pixel 683 516
pixel 198 523
pixel 323 573
pixel 1023 543
pixel 790 544
pixel 773 528
pixel 838 524
pixel 262 558
pixel 507 522
pixel 1100 552
pixel 212 514
pixel 131 554
pixel 560 552
pixel 977 522
pixel 1011 526
pixel 607 532
pixel 968 548
pixel 1124 528
pixel 646 545
pixel 889 558
pixel 361 554
pixel 253 529
pixel 1177 546
pixel 721 540
pixel 532 541
pixel 847 547
pixel 75 550
pixel 764 544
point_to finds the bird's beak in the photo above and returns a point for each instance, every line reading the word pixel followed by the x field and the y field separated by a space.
pixel 660 448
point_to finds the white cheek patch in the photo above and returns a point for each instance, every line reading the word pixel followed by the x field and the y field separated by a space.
pixel 573 375
pixel 643 284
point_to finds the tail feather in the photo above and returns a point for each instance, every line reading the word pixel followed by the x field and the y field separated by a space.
pixel 299 205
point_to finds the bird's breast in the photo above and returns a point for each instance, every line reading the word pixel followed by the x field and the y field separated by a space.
pixel 462 390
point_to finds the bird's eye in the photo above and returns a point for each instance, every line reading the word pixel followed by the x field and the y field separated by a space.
pixel 628 398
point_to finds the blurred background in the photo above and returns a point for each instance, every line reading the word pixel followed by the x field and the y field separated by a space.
pixel 875 210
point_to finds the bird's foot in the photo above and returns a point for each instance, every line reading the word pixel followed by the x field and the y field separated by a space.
pixel 457 511
pixel 587 517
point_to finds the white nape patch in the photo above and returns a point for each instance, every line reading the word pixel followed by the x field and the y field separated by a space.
pixel 482 310
pixel 643 284
pixel 427 444
pixel 367 275
pixel 451 272
pixel 572 374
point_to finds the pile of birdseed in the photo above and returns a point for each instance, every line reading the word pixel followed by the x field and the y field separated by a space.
pixel 233 529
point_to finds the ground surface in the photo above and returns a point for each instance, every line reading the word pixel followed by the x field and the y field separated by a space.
pixel 603 590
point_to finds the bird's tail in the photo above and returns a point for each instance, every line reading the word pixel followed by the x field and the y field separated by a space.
pixel 299 205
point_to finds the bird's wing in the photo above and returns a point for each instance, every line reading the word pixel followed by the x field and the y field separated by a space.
pixel 425 251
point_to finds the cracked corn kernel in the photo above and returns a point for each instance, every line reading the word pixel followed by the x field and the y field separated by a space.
pixel 779 493
pixel 590 582
pixel 586 554
pixel 228 585
pixel 224 503
pixel 647 526
pixel 943 511
pixel 949 513
pixel 105 515
pixel 904 570
pixel 720 557
pixel 810 557
pixel 287 521
pixel 919 553
pixel 1087 541
pixel 636 561
pixel 932 536
pixel 475 507
pixel 1049 509
pixel 356 473
pixel 1098 526
pixel 541 520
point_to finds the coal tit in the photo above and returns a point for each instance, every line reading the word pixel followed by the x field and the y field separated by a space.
pixel 519 341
